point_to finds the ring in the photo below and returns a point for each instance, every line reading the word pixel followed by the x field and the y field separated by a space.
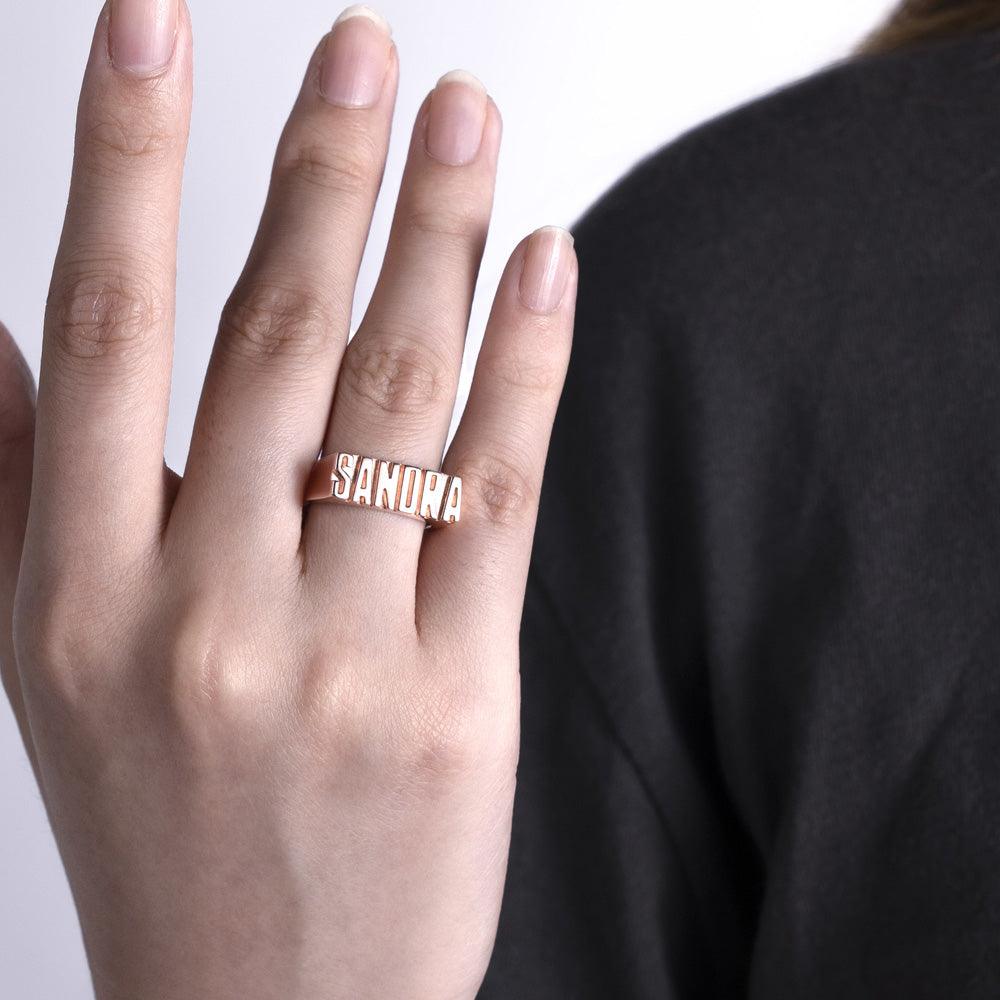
pixel 427 494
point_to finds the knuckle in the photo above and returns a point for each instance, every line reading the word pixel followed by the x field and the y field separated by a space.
pixel 453 224
pixel 444 737
pixel 332 698
pixel 211 692
pixel 345 719
pixel 395 376
pixel 61 640
pixel 496 488
pixel 460 727
pixel 262 320
pixel 527 375
pixel 351 169
pixel 103 312
pixel 133 136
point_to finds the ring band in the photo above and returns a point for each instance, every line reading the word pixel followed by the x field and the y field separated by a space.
pixel 427 494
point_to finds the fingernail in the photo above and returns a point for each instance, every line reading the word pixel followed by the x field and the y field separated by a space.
pixel 545 271
pixel 142 35
pixel 355 58
pixel 456 119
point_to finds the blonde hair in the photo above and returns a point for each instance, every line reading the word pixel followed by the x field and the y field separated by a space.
pixel 917 22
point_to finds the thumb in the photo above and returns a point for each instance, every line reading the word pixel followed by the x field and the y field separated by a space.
pixel 17 433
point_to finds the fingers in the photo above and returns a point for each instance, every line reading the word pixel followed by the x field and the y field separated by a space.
pixel 396 389
pixel 17 424
pixel 270 384
pixel 472 574
pixel 106 359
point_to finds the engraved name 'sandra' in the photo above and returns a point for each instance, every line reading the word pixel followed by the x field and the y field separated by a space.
pixel 375 482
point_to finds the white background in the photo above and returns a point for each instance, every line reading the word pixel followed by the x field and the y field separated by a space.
pixel 585 88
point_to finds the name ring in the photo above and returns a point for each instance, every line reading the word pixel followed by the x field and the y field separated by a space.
pixel 362 481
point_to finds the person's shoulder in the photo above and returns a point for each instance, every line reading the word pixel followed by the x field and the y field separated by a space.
pixel 816 152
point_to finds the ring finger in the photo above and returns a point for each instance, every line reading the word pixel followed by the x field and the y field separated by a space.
pixel 396 389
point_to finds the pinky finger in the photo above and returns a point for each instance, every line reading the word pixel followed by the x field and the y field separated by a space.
pixel 472 574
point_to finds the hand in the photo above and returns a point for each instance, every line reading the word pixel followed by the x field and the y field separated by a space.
pixel 278 752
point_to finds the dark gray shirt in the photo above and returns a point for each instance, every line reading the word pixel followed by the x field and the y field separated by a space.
pixel 761 649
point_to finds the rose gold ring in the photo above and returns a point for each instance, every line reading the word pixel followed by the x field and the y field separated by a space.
pixel 434 497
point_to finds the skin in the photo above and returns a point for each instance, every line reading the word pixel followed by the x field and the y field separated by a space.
pixel 278 752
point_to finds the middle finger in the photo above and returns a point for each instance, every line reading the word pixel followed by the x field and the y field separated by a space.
pixel 270 383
